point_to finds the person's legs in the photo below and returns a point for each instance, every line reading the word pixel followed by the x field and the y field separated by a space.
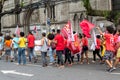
pixel 15 53
pixel 19 55
pixel 1 48
pixel 82 57
pixel 30 54
pixel 87 59
pixel 44 60
pixel 51 56
pixel 78 57
pixel 65 58
pixel 23 56
pixel 94 56
pixel 116 62
pixel 108 58
pixel 98 54
pixel 60 58
pixel 72 58
pixel 69 56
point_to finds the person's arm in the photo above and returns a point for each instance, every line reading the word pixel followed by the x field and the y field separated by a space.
pixel 99 30
pixel 49 41
pixel 55 40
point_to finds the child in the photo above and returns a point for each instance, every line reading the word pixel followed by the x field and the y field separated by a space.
pixel 68 56
pixel 97 49
pixel 15 46
pixel 21 50
pixel 84 49
pixel 108 56
pixel 8 46
pixel 118 52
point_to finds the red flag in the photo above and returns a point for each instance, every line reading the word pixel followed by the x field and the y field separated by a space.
pixel 68 32
pixel 86 27
pixel 17 31
pixel 74 46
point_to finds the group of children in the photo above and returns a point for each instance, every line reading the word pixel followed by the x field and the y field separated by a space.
pixel 107 48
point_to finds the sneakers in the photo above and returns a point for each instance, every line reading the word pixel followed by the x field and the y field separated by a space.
pixel 112 69
pixel 93 61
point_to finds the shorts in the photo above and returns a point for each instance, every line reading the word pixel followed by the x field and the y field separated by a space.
pixel 8 52
pixel 118 53
pixel 84 49
pixel 108 55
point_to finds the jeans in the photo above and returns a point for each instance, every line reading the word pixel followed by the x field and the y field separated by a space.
pixel 21 54
pixel 31 53
pixel 44 55
pixel 60 57
pixel 51 55
pixel 15 53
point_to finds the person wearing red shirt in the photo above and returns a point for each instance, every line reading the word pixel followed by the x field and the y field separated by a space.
pixel 97 49
pixel 59 40
pixel 31 45
pixel 108 57
pixel 84 49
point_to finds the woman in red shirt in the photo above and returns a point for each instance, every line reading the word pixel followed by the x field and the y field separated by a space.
pixel 84 49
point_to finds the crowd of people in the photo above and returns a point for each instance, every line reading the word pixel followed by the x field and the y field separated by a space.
pixel 54 45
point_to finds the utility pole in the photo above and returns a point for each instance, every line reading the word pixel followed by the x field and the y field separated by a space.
pixel 1 7
pixel 17 6
pixel 47 13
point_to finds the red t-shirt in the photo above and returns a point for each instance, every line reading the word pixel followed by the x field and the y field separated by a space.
pixel 31 40
pixel 85 41
pixel 109 42
pixel 98 41
pixel 60 42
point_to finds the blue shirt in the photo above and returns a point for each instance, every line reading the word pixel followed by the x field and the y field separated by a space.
pixel 15 42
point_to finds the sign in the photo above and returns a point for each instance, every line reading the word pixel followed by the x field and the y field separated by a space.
pixel 48 21
pixel 101 25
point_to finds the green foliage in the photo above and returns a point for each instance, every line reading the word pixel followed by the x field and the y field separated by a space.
pixel 113 16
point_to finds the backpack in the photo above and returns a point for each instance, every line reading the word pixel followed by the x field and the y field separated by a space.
pixel 53 45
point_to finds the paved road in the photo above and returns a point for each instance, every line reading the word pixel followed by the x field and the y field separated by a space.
pixel 76 72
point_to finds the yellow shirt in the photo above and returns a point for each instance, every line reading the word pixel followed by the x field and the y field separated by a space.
pixel 22 42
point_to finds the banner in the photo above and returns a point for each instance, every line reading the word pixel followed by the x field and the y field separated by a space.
pixel 37 42
pixel 86 27
pixel 74 46
pixel 67 31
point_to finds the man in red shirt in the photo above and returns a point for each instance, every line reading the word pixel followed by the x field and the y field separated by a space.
pixel 59 40
pixel 97 49
pixel 108 57
pixel 31 45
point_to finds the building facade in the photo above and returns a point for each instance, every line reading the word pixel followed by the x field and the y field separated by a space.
pixel 60 14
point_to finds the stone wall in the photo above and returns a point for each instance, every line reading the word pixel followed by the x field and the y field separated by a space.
pixel 73 11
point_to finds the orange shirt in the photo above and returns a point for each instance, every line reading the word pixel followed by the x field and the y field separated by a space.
pixel 109 42
pixel 8 43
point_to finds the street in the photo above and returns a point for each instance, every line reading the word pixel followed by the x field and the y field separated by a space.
pixel 11 71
